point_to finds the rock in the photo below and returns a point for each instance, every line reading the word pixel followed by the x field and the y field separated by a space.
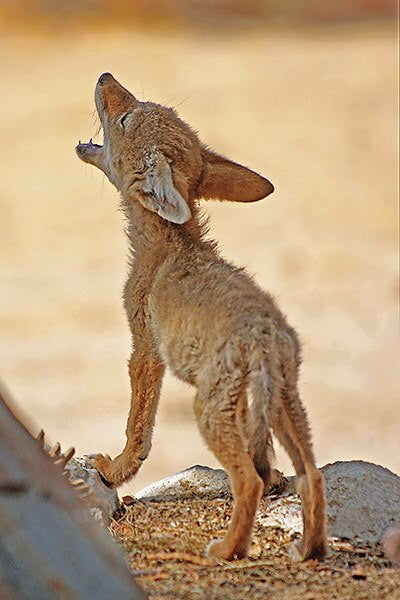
pixel 283 513
pixel 50 548
pixel 102 500
pixel 363 498
pixel 195 482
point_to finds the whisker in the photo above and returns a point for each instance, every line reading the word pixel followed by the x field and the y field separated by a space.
pixel 184 100
pixel 97 130
pixel 96 122
pixel 170 99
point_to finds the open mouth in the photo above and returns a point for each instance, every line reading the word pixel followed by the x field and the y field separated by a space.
pixel 87 150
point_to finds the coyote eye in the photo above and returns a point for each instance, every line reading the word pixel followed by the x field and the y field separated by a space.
pixel 122 120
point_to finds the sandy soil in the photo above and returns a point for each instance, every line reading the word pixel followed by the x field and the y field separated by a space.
pixel 313 112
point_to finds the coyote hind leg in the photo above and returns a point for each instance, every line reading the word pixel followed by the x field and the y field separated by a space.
pixel 290 424
pixel 217 415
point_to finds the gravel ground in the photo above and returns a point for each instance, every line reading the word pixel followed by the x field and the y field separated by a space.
pixel 164 544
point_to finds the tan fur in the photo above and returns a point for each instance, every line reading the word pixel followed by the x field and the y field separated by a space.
pixel 204 318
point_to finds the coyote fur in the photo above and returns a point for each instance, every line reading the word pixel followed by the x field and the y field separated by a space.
pixel 204 318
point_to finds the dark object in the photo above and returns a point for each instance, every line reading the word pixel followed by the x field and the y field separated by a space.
pixel 50 548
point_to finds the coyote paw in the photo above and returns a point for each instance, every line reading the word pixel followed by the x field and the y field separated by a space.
pixel 215 550
pixel 299 554
pixel 219 549
pixel 295 552
pixel 117 471
pixel 104 465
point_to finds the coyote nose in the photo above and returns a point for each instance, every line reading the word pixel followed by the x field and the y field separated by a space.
pixel 104 77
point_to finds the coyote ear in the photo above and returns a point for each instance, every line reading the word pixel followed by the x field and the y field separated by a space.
pixel 158 193
pixel 225 180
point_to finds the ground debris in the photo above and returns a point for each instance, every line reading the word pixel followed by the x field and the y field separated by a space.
pixel 164 545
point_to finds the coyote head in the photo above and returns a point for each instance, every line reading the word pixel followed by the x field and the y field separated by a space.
pixel 153 157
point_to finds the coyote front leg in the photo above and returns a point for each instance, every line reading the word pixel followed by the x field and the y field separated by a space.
pixel 146 372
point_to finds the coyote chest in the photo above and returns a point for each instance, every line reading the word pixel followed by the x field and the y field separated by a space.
pixel 181 344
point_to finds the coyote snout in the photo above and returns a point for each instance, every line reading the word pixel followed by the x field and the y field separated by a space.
pixel 204 318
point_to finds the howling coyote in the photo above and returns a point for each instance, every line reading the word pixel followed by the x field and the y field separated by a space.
pixel 206 319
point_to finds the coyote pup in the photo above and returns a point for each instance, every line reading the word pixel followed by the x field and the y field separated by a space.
pixel 204 318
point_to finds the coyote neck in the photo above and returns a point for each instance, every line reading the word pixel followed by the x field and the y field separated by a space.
pixel 147 232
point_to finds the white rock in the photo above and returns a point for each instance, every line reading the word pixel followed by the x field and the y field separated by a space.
pixel 283 513
pixel 363 500
pixel 195 482
pixel 101 500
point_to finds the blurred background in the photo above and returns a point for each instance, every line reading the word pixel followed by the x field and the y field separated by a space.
pixel 305 92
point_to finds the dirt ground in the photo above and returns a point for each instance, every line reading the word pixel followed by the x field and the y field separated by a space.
pixel 315 111
pixel 164 542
